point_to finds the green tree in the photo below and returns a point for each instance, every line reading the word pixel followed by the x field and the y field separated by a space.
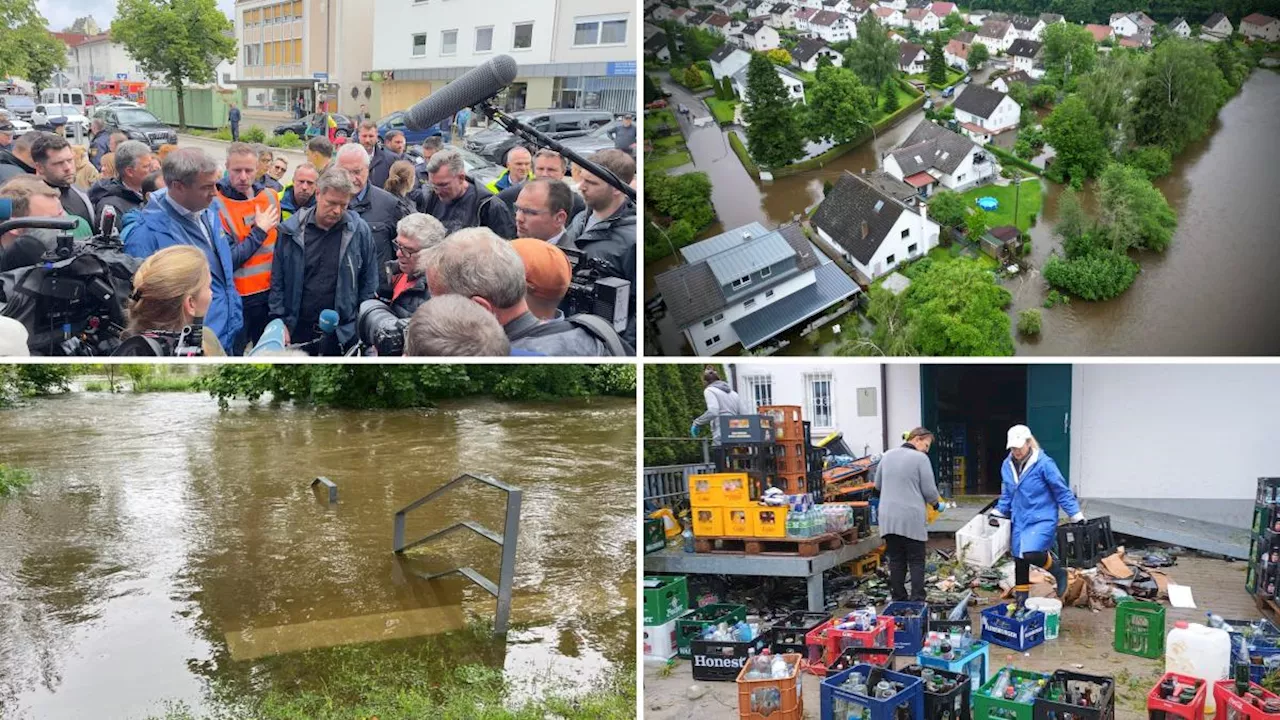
pixel 891 332
pixel 19 21
pixel 726 85
pixel 46 54
pixel 978 54
pixel 947 208
pixel 1097 275
pixel 890 93
pixel 1108 92
pixel 839 106
pixel 1073 223
pixel 673 398
pixel 1043 95
pixel 179 40
pixel 873 57
pixel 1132 212
pixel 977 224
pixel 953 22
pixel 1076 138
pixel 1069 52
pixel 1029 322
pixel 824 60
pixel 651 91
pixel 937 62
pixel 774 132
pixel 1154 160
pixel 19 381
pixel 779 56
pixel 692 77
pixel 957 309
pixel 1228 59
pixel 1178 96
pixel 699 44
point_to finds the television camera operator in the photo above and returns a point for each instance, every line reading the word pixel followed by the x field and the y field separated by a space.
pixel 606 233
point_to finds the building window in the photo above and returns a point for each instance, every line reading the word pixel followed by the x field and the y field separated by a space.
pixel 911 249
pixel 889 261
pixel 484 39
pixel 761 387
pixel 751 302
pixel 741 282
pixel 449 42
pixel 712 340
pixel 818 395
pixel 906 233
pixel 420 45
pixel 766 272
pixel 768 293
pixel 600 30
pixel 713 320
pixel 523 37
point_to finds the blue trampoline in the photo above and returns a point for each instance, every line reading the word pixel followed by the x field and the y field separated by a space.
pixel 988 203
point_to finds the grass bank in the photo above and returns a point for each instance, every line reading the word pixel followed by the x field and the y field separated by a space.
pixel 722 109
pixel 1029 200
pixel 12 480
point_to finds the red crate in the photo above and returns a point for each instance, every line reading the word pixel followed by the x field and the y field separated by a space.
pixel 1231 705
pixel 1193 710
pixel 790 465
pixel 791 484
pixel 826 643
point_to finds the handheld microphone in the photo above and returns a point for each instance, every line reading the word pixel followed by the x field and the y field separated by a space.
pixel 471 88
pixel 6 209
pixel 272 339
pixel 328 321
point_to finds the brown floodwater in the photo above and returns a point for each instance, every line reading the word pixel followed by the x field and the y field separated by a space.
pixel 165 546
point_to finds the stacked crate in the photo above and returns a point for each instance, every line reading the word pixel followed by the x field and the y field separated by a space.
pixel 952 447
pixel 1263 575
pixel 720 504
pixel 791 448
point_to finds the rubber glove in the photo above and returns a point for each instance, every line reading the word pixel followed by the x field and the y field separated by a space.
pixel 994 517
pixel 1077 518
pixel 693 430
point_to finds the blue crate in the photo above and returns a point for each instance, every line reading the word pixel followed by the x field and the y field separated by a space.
pixel 912 695
pixel 976 663
pixel 1265 644
pixel 908 633
pixel 1000 629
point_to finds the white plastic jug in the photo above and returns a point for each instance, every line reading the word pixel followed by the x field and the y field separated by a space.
pixel 1199 651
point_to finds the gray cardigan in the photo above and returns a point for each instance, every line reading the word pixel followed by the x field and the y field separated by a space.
pixel 904 479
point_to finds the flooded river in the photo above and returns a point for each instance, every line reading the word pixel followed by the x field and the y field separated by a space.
pixel 170 552
pixel 1211 293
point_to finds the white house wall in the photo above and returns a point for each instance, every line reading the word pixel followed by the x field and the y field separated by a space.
pixel 397 21
pixel 698 334
pixel 863 433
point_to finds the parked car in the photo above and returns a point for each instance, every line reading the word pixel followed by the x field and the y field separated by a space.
pixel 138 124
pixel 395 121
pixel 70 112
pixel 18 105
pixel 968 79
pixel 599 139
pixel 346 126
pixel 656 105
pixel 494 142
pixel 949 92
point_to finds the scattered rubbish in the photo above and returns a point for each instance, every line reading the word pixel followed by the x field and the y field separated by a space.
pixel 1180 596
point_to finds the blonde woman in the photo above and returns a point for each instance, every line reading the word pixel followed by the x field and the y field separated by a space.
pixel 400 179
pixel 171 290
pixel 86 173
pixel 108 167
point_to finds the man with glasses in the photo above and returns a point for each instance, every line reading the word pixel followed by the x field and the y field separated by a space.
pixel 542 211
pixel 547 165
pixel 415 233
pixel 279 166
pixel 459 202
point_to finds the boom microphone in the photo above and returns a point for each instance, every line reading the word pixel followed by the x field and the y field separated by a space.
pixel 471 88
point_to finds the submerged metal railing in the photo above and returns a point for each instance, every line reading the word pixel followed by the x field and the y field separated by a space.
pixel 506 540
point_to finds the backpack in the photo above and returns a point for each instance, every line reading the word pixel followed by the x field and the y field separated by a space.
pixel 596 326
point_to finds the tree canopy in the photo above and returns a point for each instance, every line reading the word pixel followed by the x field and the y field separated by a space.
pixel 978 54
pixel 937 62
pixel 1077 139
pixel 947 208
pixel 27 49
pixel 874 55
pixel 672 399
pixel 774 134
pixel 1178 96
pixel 839 106
pixel 1132 212
pixel 1069 52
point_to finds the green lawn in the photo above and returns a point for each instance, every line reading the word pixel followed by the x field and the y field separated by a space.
pixel 1029 199
pixel 953 77
pixel 667 161
pixel 669 143
pixel 722 109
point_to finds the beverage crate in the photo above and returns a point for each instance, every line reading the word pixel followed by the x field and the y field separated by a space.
pixel 768 521
pixel 790 483
pixel 986 707
pixel 655 536
pixel 771 699
pixel 867 564
pixel 837 702
pixel 791 465
pixel 909 622
pixel 665 597
pixel 660 640
pixel 746 429
pixel 720 660
pixel 1231 705
pixel 1101 689
pixel 1268 491
pixel 1261 519
pixel 1260 640
pixel 980 545
pixel 708 522
pixel 1076 547
pixel 1191 710
pixel 1139 629
pixel 719 490
pixel 788 422
pixel 690 625
pixel 755 460
pixel 999 628
pixel 883 657
pixel 976 663
pixel 789 632
pixel 737 522
pixel 830 641
pixel 953 704
pixel 1100 536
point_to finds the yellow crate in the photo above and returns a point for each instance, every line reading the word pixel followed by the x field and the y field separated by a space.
pixel 737 522
pixel 768 521
pixel 708 522
pixel 865 565
pixel 719 490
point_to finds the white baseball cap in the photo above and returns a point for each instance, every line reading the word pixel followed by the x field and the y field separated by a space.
pixel 1018 436
pixel 13 338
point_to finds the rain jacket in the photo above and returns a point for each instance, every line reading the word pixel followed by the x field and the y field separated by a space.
pixel 289 203
pixel 1032 501
pixel 721 400
pixel 115 194
pixel 614 241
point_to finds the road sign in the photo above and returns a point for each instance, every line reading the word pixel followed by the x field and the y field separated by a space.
pixel 122 76
pixel 325 76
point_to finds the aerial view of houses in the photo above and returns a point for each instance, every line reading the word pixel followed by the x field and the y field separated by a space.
pixel 904 177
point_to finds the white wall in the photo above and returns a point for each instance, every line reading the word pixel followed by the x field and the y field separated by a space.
pixel 902 397
pixel 564 51
pixel 788 386
pixel 698 334
pixel 396 21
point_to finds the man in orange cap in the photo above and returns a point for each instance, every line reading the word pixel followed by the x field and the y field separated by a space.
pixel 546 273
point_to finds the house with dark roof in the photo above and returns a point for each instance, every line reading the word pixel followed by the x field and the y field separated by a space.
pixel 997 35
pixel 802 18
pixel 721 23
pixel 933 157
pixel 695 18
pixel 758 37
pixel 807 51
pixel 782 16
pixel 727 60
pixel 837 6
pixel 1026 56
pixel 1006 81
pixel 871 229
pixel 1001 242
pixel 655 42
pixel 1180 27
pixel 984 113
pixel 749 285
pixel 1216 29
pixel 912 58
pixel 1025 27
pixel 832 26
pixel 1257 26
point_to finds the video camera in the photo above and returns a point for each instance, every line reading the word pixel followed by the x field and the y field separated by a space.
pixel 381 329
pixel 72 302
pixel 594 291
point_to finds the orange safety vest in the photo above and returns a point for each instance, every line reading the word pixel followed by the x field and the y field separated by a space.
pixel 238 217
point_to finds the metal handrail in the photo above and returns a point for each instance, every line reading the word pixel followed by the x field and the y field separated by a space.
pixel 506 540
pixel 668 485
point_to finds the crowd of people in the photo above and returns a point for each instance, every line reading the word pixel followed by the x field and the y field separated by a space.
pixel 356 222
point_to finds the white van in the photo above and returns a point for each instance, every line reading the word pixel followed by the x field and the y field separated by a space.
pixel 63 96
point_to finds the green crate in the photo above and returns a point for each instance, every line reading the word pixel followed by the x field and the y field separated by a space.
pixel 986 707
pixel 1251 578
pixel 1140 629
pixel 1261 518
pixel 690 625
pixel 655 535
pixel 665 597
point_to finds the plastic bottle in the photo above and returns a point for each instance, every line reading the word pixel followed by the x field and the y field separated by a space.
pixel 751 664
pixel 1003 679
pixel 1028 692
pixel 687 534
pixel 1214 620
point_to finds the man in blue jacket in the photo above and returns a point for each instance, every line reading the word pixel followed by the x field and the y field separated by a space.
pixel 1032 491
pixel 185 212
pixel 324 260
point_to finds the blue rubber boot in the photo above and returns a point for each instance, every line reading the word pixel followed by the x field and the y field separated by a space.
pixel 1059 573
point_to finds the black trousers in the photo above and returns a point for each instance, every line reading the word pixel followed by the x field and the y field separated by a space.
pixel 904 553
pixel 256 316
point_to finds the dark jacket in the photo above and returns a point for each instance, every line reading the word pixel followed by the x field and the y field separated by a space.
pixel 11 167
pixel 270 183
pixel 357 272
pixel 289 203
pixel 614 241
pixel 380 166
pixel 477 207
pixel 554 338
pixel 382 211
pixel 407 302
pixel 233 116
pixel 511 194
pixel 113 193
pixel 98 146
pixel 76 202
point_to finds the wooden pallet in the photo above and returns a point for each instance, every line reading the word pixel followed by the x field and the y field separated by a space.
pixel 803 547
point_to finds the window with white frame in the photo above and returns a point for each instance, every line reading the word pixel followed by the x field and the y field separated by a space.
pixel 600 30
pixel 713 340
pixel 522 38
pixel 742 281
pixel 819 395
pixel 484 39
pixel 765 272
pixel 713 320
pixel 761 389
pixel 419 45
pixel 449 42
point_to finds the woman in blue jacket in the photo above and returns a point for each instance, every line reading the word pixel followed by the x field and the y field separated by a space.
pixel 1032 491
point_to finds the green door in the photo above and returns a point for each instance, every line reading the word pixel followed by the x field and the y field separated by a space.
pixel 1049 412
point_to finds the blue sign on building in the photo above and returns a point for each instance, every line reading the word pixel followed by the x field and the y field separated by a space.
pixel 627 67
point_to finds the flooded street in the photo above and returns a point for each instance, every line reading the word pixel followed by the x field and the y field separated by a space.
pixel 167 551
